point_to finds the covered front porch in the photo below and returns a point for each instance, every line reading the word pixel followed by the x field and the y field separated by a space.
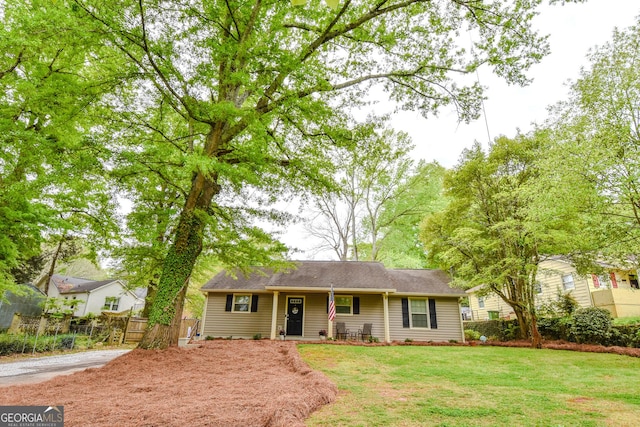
pixel 303 313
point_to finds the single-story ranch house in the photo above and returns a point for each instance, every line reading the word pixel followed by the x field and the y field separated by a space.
pixel 399 304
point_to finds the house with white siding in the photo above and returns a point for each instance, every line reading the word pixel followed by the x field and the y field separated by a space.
pixel 399 304
pixel 95 296
pixel 616 290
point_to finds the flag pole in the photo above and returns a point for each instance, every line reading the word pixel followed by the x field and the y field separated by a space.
pixel 331 313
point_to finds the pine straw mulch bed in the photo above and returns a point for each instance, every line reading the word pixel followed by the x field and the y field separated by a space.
pixel 213 383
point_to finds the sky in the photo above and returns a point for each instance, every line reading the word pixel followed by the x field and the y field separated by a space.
pixel 573 30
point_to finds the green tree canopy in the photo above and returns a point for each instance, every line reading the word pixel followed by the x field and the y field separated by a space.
pixel 593 156
pixel 491 235
pixel 51 172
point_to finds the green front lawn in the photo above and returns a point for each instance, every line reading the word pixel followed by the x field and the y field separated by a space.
pixel 475 386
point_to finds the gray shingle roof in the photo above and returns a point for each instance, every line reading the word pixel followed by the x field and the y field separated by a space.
pixel 72 285
pixel 340 274
pixel 424 281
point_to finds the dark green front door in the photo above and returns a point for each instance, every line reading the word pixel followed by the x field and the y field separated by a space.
pixel 295 307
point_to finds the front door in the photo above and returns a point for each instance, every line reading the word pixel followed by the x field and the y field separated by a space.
pixel 295 308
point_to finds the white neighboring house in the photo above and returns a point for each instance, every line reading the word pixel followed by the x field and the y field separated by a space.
pixel 95 296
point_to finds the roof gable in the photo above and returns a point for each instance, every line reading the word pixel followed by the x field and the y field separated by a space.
pixel 73 285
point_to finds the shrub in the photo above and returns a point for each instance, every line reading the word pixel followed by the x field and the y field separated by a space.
pixel 502 330
pixel 257 337
pixel 15 344
pixel 555 328
pixel 470 334
pixel 591 325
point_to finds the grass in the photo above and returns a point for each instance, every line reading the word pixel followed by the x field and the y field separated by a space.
pixel 626 320
pixel 475 386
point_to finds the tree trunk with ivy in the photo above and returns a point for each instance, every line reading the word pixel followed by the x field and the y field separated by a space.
pixel 166 310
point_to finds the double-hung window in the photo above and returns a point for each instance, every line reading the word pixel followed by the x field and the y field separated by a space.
pixel 111 303
pixel 567 282
pixel 241 303
pixel 419 313
pixel 481 302
pixel 344 304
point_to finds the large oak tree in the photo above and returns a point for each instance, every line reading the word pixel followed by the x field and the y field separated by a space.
pixel 259 91
pixel 267 85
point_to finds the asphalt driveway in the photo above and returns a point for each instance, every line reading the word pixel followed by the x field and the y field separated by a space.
pixel 38 369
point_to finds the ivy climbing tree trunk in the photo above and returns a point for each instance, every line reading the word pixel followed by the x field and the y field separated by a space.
pixel 166 310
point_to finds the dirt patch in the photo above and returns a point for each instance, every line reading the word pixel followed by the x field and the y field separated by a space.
pixel 216 383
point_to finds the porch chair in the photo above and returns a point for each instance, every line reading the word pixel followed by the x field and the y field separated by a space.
pixel 365 332
pixel 341 331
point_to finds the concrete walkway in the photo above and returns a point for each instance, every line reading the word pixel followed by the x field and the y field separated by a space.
pixel 35 370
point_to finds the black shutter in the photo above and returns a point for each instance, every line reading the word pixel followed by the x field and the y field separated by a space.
pixel 229 302
pixel 356 305
pixel 254 303
pixel 433 320
pixel 327 304
pixel 405 312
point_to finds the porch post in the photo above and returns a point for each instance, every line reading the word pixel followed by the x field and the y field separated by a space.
pixel 385 305
pixel 204 316
pixel 274 315
pixel 329 322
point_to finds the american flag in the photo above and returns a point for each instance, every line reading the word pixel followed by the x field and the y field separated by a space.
pixel 332 306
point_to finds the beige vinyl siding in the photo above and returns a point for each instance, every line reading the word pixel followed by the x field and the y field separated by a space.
pixel 550 275
pixel 371 311
pixel 448 316
pixel 314 307
pixel 492 302
pixel 223 324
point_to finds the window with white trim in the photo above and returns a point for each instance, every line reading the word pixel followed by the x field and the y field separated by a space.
pixel 242 303
pixel 567 282
pixel 604 280
pixel 111 303
pixel 344 304
pixel 419 313
pixel 481 302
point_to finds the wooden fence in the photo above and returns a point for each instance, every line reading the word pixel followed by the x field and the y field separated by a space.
pixel 137 325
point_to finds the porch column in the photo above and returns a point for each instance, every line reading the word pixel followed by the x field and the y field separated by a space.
pixel 329 322
pixel 385 305
pixel 274 315
pixel 204 316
